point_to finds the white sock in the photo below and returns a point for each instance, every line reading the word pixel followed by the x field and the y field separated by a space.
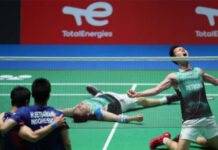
pixel 165 140
pixel 163 100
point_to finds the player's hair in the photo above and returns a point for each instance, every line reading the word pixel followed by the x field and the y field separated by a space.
pixel 78 118
pixel 19 96
pixel 171 52
pixel 41 89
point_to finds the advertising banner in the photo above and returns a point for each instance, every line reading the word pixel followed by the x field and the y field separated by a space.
pixel 119 22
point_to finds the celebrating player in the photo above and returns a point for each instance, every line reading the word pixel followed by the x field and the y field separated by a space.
pixel 196 113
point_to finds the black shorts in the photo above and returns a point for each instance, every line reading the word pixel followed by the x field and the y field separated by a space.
pixel 114 106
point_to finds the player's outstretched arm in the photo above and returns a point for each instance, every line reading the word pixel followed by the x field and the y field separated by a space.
pixel 68 112
pixel 7 125
pixel 108 116
pixel 210 79
pixel 138 117
pixel 165 84
pixel 33 136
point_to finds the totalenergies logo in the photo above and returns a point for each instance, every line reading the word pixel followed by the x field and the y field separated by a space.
pixel 210 13
pixel 93 11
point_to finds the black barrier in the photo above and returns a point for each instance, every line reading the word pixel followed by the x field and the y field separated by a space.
pixel 10 21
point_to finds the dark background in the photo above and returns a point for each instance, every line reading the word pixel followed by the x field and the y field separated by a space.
pixel 10 21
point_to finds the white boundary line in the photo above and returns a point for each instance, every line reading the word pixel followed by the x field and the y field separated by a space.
pixel 134 86
pixel 80 84
pixel 110 136
pixel 54 94
pixel 24 58
pixel 114 127
pixel 72 94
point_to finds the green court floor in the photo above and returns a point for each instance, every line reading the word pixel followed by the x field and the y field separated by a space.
pixel 68 89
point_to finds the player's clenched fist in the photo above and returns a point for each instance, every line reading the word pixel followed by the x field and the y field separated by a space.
pixel 131 93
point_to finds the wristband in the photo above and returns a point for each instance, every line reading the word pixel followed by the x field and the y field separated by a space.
pixel 53 124
pixel 99 114
pixel 122 119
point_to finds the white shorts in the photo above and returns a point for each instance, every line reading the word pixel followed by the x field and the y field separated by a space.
pixel 205 126
pixel 125 101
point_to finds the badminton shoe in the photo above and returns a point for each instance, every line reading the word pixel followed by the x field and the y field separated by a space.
pixel 92 90
pixel 155 142
pixel 176 139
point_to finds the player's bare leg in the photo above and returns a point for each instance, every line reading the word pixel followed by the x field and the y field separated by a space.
pixel 148 102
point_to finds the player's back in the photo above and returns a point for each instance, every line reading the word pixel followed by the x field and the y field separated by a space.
pixel 37 117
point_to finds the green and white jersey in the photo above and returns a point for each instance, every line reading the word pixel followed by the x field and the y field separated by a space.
pixel 95 103
pixel 191 88
pixel 108 101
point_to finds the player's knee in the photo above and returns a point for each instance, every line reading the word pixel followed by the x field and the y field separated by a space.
pixel 143 101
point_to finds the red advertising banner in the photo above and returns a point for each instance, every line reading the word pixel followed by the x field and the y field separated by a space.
pixel 119 22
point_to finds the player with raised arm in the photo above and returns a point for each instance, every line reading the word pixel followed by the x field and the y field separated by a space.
pixel 196 113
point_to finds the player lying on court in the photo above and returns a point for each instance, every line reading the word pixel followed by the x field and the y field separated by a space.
pixel 108 106
pixel 196 113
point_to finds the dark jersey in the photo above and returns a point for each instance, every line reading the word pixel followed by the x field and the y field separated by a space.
pixel 36 117
pixel 11 140
pixel 191 90
pixel 0 140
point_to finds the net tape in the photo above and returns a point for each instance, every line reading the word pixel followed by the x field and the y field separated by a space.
pixel 205 58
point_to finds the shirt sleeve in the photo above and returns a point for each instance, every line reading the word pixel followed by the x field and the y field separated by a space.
pixel 19 116
pixel 65 126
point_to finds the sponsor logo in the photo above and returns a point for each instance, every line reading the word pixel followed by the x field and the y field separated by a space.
pixel 11 77
pixel 204 33
pixel 83 33
pixel 210 13
pixel 90 13
pixel 95 15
